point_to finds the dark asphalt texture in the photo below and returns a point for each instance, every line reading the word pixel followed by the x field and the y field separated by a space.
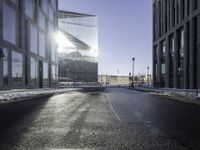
pixel 116 118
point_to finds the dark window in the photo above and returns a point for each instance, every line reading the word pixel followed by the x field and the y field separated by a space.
pixel 5 66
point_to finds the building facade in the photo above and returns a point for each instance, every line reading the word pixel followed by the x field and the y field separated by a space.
pixel 176 43
pixel 27 44
pixel 78 52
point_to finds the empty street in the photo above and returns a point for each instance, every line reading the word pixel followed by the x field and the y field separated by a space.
pixel 114 118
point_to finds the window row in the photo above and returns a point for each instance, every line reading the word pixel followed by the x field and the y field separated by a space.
pixel 17 70
pixel 45 6
pixel 168 13
pixel 10 25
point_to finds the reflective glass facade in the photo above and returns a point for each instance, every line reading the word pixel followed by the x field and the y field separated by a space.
pixel 29 8
pixel 33 39
pixel 41 20
pixel 28 29
pixel 45 74
pixel 78 58
pixel 42 47
pixel 17 69
pixel 9 24
pixel 34 71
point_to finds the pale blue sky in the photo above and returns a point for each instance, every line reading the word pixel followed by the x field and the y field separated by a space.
pixel 125 31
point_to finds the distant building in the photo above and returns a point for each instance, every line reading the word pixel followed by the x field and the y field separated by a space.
pixel 29 52
pixel 176 43
pixel 78 51
pixel 113 79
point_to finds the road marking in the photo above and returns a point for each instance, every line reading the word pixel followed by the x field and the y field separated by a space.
pixel 113 110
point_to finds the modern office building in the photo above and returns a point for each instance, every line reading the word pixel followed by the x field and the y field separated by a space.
pixel 176 43
pixel 27 47
pixel 78 47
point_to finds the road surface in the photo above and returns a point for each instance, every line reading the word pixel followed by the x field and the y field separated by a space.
pixel 116 118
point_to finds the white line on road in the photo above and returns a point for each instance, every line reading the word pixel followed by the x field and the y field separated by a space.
pixel 113 110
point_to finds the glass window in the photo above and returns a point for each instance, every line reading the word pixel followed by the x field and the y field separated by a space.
pixel 34 71
pixel 17 71
pixel 53 3
pixel 57 73
pixel 51 13
pixel 33 39
pixel 53 51
pixel 9 24
pixel 45 6
pixel 182 39
pixel 45 74
pixel 42 20
pixel 5 66
pixel 54 75
pixel 29 8
pixel 56 56
pixel 15 2
pixel 50 28
pixel 163 48
pixel 42 44
pixel 163 68
pixel 173 44
pixel 53 72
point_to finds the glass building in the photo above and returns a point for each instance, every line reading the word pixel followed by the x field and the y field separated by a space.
pixel 78 47
pixel 176 43
pixel 27 43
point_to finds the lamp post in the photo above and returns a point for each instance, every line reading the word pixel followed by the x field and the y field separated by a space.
pixel 148 75
pixel 133 59
pixel 133 66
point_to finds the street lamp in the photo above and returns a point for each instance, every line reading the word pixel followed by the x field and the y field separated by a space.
pixel 133 66
pixel 148 75
pixel 133 70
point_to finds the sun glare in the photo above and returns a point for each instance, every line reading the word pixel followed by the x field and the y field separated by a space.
pixel 63 42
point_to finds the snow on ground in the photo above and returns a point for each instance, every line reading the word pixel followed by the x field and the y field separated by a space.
pixel 21 94
pixel 188 95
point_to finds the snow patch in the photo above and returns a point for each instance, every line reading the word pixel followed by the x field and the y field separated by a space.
pixel 13 95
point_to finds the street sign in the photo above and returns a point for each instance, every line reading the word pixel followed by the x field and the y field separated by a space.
pixel 1 53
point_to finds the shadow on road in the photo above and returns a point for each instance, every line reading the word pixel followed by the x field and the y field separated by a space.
pixel 11 113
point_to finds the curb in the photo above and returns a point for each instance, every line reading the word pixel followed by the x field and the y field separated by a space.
pixel 195 101
pixel 39 96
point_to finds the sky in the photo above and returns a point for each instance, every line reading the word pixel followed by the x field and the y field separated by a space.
pixel 125 31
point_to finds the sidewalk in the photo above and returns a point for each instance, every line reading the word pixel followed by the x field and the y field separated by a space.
pixel 184 95
pixel 23 94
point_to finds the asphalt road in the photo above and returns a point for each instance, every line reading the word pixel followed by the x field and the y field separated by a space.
pixel 95 119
